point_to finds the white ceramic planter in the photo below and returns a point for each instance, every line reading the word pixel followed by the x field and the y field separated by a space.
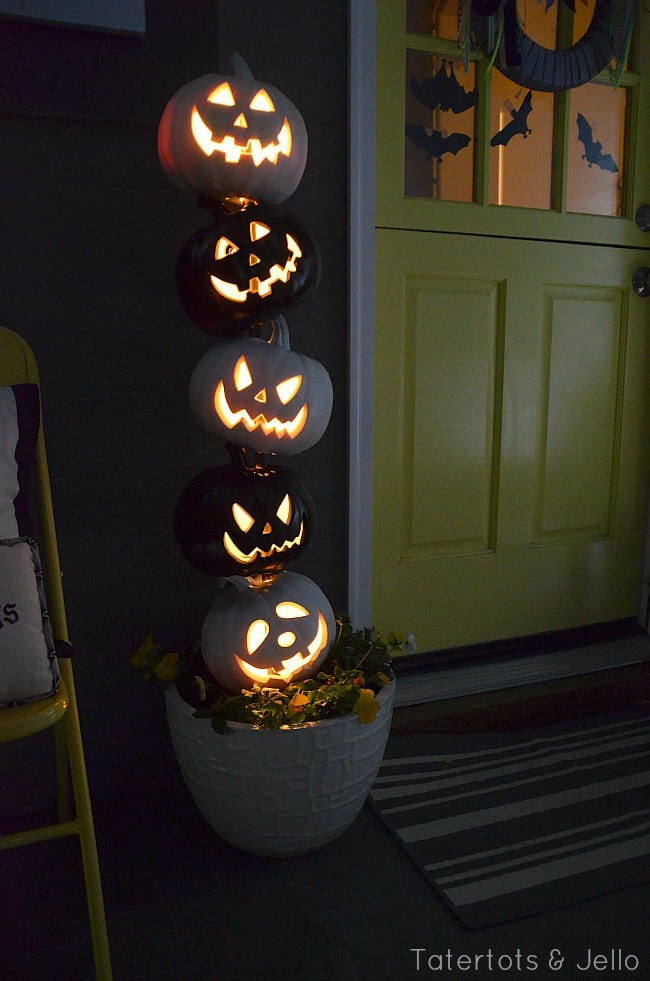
pixel 279 792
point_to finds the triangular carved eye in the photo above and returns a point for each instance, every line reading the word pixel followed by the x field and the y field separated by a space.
pixel 222 95
pixel 258 230
pixel 224 247
pixel 242 375
pixel 262 102
pixel 245 521
pixel 284 511
pixel 288 388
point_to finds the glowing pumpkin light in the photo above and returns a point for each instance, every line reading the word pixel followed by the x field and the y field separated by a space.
pixel 261 395
pixel 239 520
pixel 229 135
pixel 269 635
pixel 246 266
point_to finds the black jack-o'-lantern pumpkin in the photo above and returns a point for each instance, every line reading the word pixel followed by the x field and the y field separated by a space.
pixel 243 520
pixel 261 395
pixel 246 266
pixel 230 135
pixel 269 635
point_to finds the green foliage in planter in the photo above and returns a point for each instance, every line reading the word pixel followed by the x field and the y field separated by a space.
pixel 157 666
pixel 357 667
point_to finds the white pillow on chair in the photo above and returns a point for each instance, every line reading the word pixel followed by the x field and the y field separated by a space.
pixel 28 666
pixel 19 421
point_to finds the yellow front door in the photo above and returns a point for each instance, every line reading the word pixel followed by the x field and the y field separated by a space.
pixel 511 355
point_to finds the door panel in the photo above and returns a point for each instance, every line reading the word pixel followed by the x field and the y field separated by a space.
pixel 511 441
pixel 451 362
pixel 579 422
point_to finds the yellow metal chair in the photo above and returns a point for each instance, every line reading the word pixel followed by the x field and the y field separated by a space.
pixel 18 364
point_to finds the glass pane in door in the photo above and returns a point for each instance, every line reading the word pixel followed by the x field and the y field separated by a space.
pixel 595 162
pixel 583 13
pixel 440 98
pixel 521 145
pixel 435 18
pixel 539 21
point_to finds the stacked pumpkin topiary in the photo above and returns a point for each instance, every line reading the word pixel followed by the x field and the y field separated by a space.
pixel 242 145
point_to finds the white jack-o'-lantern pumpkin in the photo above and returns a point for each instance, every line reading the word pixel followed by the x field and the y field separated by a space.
pixel 229 135
pixel 267 634
pixel 262 396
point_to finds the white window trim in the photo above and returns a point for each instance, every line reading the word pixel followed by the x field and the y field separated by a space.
pixel 361 283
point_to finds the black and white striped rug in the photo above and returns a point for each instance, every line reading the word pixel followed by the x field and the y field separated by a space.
pixel 507 825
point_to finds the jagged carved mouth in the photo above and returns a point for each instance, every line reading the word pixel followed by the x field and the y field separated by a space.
pixel 274 426
pixel 262 287
pixel 291 665
pixel 233 151
pixel 259 553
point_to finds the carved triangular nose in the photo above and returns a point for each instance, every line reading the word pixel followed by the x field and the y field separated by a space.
pixel 261 395
pixel 266 530
pixel 241 121
pixel 253 259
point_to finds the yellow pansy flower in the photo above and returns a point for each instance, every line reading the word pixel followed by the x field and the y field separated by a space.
pixel 142 657
pixel 166 669
pixel 296 703
pixel 366 706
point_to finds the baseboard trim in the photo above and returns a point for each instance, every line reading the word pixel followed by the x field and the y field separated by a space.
pixel 432 685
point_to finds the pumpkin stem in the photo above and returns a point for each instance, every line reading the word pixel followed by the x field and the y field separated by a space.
pixel 275 331
pixel 280 332
pixel 263 462
pixel 218 207
pixel 237 454
pixel 263 580
pixel 240 67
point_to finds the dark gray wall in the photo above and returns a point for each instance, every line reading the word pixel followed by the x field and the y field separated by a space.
pixel 91 229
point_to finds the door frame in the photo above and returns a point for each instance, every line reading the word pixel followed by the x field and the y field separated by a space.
pixel 361 250
pixel 361 281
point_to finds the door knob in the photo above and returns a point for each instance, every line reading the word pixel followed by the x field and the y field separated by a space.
pixel 642 217
pixel 641 281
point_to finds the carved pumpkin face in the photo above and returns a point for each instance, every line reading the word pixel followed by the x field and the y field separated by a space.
pixel 269 635
pixel 234 520
pixel 231 135
pixel 245 267
pixel 262 396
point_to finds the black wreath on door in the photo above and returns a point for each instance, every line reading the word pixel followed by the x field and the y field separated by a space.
pixel 496 24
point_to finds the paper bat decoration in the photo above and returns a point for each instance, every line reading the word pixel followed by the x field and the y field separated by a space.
pixel 593 151
pixel 434 142
pixel 443 91
pixel 518 123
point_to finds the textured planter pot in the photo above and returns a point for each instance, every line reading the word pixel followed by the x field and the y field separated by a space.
pixel 282 792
